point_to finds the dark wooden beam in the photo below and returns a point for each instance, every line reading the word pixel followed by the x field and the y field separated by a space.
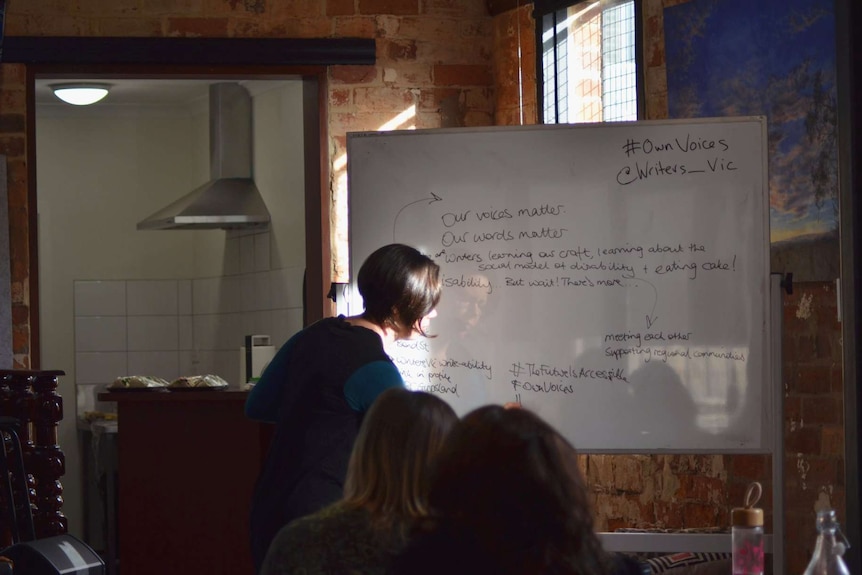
pixel 189 51
pixel 496 7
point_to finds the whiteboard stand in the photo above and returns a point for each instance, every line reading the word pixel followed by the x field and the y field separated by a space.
pixel 721 542
pixel 777 318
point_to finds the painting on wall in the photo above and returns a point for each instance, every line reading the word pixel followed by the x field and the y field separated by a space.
pixel 774 58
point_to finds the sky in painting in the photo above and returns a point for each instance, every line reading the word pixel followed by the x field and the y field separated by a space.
pixel 766 57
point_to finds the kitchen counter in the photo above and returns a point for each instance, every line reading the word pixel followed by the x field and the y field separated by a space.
pixel 187 463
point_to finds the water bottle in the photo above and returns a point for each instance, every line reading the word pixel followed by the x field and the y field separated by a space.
pixel 747 534
pixel 830 546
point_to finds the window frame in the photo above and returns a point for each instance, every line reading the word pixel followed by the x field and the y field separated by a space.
pixel 541 8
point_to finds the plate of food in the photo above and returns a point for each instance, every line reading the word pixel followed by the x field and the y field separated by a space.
pixel 138 383
pixel 207 382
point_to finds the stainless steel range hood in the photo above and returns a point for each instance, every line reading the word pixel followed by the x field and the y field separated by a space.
pixel 230 200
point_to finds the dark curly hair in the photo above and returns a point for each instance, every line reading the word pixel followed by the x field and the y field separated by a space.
pixel 399 286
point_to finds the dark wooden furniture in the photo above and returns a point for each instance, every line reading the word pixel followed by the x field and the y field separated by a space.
pixel 187 463
pixel 31 398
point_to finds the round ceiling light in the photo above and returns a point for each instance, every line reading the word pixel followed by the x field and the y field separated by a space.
pixel 80 94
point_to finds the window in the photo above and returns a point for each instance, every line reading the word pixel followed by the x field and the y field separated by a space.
pixel 588 60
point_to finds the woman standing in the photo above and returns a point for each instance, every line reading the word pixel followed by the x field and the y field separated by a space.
pixel 322 381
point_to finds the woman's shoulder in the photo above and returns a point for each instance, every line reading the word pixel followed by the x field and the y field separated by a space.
pixel 338 539
pixel 308 541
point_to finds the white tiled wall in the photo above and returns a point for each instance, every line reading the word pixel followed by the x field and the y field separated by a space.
pixel 171 328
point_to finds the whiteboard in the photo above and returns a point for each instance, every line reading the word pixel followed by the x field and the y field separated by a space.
pixel 612 277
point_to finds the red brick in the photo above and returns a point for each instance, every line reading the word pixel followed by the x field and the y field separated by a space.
pixel 628 471
pixel 434 99
pixel 12 123
pixel 396 49
pixel 387 100
pixel 822 410
pixel 20 314
pixel 19 293
pixel 455 7
pixel 668 515
pixel 53 25
pixel 701 515
pixel 17 24
pixel 54 7
pixel 197 27
pixel 813 379
pixel 352 74
pixel 702 489
pixel 462 75
pixel 747 468
pixel 792 411
pixel 21 339
pixel 12 145
pixel 401 7
pixel 246 28
pixel 805 440
pixel 339 98
pixel 357 27
pixel 418 75
pixel 298 27
pixel 13 76
pixel 426 27
pixel 456 51
pixel 340 7
pixel 13 101
pixel 292 8
pixel 428 120
pixel 832 441
pixel 837 379
pixel 108 7
pixel 140 26
pixel 822 472
pixel 616 524
pixel 479 99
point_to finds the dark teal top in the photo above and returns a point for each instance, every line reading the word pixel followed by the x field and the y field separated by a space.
pixel 316 390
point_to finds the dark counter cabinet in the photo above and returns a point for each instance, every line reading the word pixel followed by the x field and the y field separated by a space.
pixel 187 463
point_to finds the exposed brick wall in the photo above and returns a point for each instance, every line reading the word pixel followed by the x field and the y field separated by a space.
pixel 515 67
pixel 814 415
pixel 13 140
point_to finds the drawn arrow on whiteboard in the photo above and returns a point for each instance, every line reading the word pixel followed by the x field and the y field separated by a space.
pixel 650 317
pixel 434 198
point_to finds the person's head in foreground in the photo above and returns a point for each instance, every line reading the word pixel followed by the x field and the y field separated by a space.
pixel 388 473
pixel 507 497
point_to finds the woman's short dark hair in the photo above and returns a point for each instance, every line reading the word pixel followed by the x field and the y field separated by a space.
pixel 399 286
pixel 388 473
pixel 512 482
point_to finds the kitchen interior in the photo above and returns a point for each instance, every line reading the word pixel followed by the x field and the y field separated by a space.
pixel 121 294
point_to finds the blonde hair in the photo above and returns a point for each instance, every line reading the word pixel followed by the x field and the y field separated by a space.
pixel 388 472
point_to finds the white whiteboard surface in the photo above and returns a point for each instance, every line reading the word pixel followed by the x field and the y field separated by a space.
pixel 612 277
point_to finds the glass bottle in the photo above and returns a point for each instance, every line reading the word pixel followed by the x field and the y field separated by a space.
pixel 830 546
pixel 747 534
